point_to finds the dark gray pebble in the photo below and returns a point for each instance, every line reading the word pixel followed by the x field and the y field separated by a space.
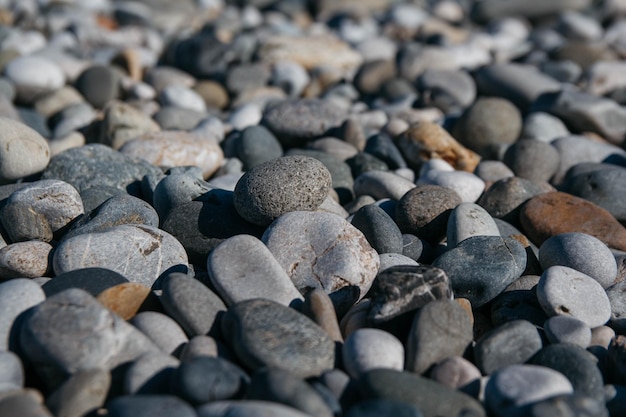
pixel 92 280
pixel 255 145
pixel 379 229
pixel 149 406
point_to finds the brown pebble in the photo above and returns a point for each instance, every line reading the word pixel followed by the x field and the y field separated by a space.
pixel 213 94
pixel 128 299
pixel 319 307
pixel 554 213
pixel 426 140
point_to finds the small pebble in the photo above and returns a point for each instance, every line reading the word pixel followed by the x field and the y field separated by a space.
pixel 566 329
pixel 367 349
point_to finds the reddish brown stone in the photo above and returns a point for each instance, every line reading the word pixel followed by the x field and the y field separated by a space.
pixel 554 213
pixel 128 299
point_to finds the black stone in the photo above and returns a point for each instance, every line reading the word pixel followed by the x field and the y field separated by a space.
pixel 379 229
pixel 383 148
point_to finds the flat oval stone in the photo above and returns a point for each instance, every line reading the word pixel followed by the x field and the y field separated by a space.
pixel 248 408
pixel 387 260
pixel 92 280
pixel 34 76
pixel 280 386
pixel 532 159
pixel 23 151
pixel 162 330
pixel 99 84
pixel 71 331
pixel 511 343
pixel 149 406
pixel 430 397
pixel 242 267
pixel 25 260
pixel 382 184
pixel 481 267
pixel 322 250
pixel 173 148
pixel 140 253
pixel 581 252
pixel 367 349
pixel 95 164
pixel 467 185
pixel 16 296
pixel 426 140
pixel 265 333
pixel 578 365
pixel 403 288
pixel 603 187
pixel 468 220
pixel 440 329
pixel 295 122
pixel 192 304
pixel 115 211
pixel 150 374
pixel 518 385
pixel 554 213
pixel 57 201
pixel 424 211
pixel 280 186
pixel 204 379
pixel 319 307
pixel 565 291
pixel 255 145
pixel 379 229
pixel 566 329
pixel 127 299
pixel 82 393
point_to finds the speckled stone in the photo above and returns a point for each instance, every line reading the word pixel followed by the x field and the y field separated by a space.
pixel 25 260
pixel 280 186
pixel 265 333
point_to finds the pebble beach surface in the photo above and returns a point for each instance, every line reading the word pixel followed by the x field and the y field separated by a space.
pixel 291 208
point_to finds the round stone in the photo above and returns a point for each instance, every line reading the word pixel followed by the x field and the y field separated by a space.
pixel 367 349
pixel 23 151
pixel 99 84
pixel 255 145
pixel 532 159
pixel 280 186
pixel 322 250
pixel 29 259
pixel 34 76
pixel 565 291
pixel 566 329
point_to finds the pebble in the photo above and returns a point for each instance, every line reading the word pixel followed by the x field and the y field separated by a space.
pixel 123 122
pixel 319 307
pixel 146 253
pixel 481 267
pixel 150 374
pixel 23 151
pixel 98 165
pixel 372 408
pixel 25 260
pixel 248 408
pixel 91 280
pixel 291 341
pixel 12 378
pixel 162 330
pixel 183 97
pixel 80 394
pixel 440 329
pixel 468 220
pixel 431 398
pixel 565 291
pixel 16 296
pixel 467 185
pixel 404 288
pixel 281 186
pixel 127 299
pixel 256 145
pixel 449 90
pixel 515 386
pixel 149 406
pixel 387 260
pixel 379 229
pixel 172 149
pixel 545 160
pixel 426 140
pixel 487 124
pixel 366 349
pixel 577 364
pixel 282 387
pixel 322 250
pixel 382 147
pixel 455 372
pixel 424 211
pixel 99 84
pixel 296 122
pixel 512 343
pixel 27 402
pixel 581 252
pixel 554 213
pixel 381 184
pixel 243 268
pixel 54 334
pixel 205 379
pixel 566 329
pixel 191 304
pixel 543 127
pixel 34 76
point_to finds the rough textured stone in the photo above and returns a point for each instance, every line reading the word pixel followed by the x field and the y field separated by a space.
pixel 554 213
pixel 265 333
pixel 242 267
pixel 280 186
pixel 140 253
pixel 25 260
pixel 440 329
pixel 23 151
pixel 403 288
pixel 481 267
pixel 322 250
